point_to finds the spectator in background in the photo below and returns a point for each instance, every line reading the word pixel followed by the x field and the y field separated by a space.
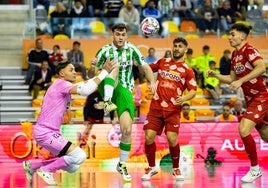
pixel 202 63
pixel 240 8
pixel 60 11
pixel 207 18
pixel 113 8
pixel 42 79
pixel 151 58
pixel 191 61
pixel 226 115
pixel 55 58
pixel 212 84
pixel 35 57
pixel 78 10
pixel 168 54
pixel 225 62
pixel 45 3
pixel 259 3
pixel 151 11
pixel 166 8
pixel 95 8
pixel 130 16
pixel 76 57
pixel 238 110
pixel 183 9
pixel 186 114
pixel 143 97
pixel 60 21
pixel 226 16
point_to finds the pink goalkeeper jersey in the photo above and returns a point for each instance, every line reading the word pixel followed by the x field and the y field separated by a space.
pixel 55 103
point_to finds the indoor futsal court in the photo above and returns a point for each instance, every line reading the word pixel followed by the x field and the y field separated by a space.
pixel 99 170
pixel 93 176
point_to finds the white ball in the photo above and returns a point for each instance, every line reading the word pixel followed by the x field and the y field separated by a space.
pixel 149 26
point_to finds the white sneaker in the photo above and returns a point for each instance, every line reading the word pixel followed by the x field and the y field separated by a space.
pixel 109 106
pixel 251 176
pixel 149 172
pixel 122 169
pixel 47 177
pixel 177 174
pixel 28 171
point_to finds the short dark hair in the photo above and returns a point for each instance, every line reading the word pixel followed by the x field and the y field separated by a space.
pixel 185 104
pixel 226 51
pixel 206 47
pixel 242 28
pixel 180 39
pixel 212 62
pixel 119 26
pixel 61 66
pixel 56 46
pixel 190 51
pixel 76 43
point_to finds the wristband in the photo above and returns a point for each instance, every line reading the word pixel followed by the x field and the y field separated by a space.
pixel 102 74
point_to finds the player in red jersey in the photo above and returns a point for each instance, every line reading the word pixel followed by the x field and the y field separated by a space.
pixel 247 68
pixel 174 77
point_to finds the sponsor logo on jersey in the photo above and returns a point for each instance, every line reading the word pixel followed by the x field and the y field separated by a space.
pixel 172 75
pixel 239 68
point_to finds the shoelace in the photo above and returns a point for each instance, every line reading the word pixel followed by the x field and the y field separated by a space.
pixel 124 169
pixel 147 170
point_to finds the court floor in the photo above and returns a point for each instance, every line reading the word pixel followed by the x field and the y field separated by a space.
pixel 92 175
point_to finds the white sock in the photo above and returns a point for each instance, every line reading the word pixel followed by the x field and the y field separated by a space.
pixel 108 92
pixel 255 168
pixel 124 155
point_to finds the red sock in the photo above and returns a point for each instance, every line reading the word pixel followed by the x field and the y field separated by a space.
pixel 250 147
pixel 150 153
pixel 175 155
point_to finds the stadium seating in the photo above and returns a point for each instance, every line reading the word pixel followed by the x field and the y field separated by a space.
pixel 61 37
pixel 199 102
pixel 79 114
pixel 37 103
pixel 170 27
pixel 79 102
pixel 204 115
pixel 192 36
pixel 188 26
pixel 97 27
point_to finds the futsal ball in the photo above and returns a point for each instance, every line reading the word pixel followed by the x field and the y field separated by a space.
pixel 149 26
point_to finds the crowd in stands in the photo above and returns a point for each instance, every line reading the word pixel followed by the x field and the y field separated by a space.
pixel 42 70
pixel 209 16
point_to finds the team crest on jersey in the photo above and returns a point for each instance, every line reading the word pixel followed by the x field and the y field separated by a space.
pixel 238 58
pixel 239 68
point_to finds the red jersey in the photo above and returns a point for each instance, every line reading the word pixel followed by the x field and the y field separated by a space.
pixel 172 79
pixel 242 64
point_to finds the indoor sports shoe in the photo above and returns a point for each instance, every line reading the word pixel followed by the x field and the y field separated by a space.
pixel 47 177
pixel 28 171
pixel 251 176
pixel 122 169
pixel 177 174
pixel 149 172
pixel 109 106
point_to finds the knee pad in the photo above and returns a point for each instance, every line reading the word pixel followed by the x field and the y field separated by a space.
pixel 77 156
pixel 71 168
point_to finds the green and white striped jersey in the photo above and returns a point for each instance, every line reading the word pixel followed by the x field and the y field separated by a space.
pixel 125 57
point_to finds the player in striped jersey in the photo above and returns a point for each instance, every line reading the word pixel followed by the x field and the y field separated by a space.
pixel 118 87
